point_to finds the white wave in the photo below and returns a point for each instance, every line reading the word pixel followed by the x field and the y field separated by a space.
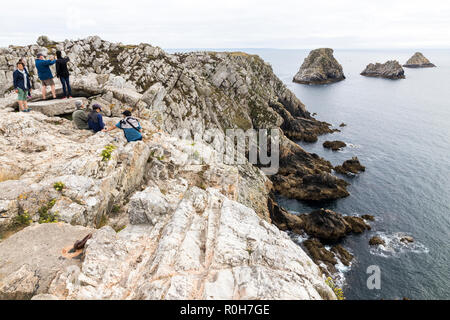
pixel 393 247
pixel 297 238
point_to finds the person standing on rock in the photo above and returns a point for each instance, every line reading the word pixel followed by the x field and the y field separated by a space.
pixel 23 60
pixel 22 84
pixel 63 74
pixel 95 119
pixel 130 126
pixel 45 74
pixel 80 117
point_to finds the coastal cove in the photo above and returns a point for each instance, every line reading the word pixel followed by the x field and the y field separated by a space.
pixel 400 131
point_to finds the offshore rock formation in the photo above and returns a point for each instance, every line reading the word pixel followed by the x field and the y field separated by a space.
pixel 389 70
pixel 350 166
pixel 189 225
pixel 320 67
pixel 334 145
pixel 418 60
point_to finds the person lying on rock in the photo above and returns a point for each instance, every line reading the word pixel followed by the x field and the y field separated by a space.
pixel 45 74
pixel 95 119
pixel 130 126
pixel 80 117
pixel 63 74
pixel 22 84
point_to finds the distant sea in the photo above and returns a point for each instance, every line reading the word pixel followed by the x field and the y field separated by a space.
pixel 399 130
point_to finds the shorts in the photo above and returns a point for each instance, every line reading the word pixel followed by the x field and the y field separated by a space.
pixel 48 82
pixel 22 95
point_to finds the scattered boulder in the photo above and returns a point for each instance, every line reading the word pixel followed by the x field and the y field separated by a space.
pixel 407 239
pixel 350 166
pixel 389 70
pixel 418 60
pixel 376 241
pixel 334 145
pixel 320 67
pixel 342 125
pixel 368 217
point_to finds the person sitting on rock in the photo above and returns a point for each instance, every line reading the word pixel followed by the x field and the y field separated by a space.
pixel 95 119
pixel 80 117
pixel 63 74
pixel 45 74
pixel 22 84
pixel 130 126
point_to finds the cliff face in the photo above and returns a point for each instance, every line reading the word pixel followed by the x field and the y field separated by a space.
pixel 320 67
pixel 197 92
pixel 166 182
pixel 418 60
pixel 389 70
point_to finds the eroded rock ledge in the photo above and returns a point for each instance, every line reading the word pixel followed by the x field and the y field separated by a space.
pixel 320 67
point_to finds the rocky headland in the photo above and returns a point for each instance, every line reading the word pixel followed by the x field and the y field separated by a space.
pixel 388 70
pixel 168 218
pixel 319 67
pixel 418 60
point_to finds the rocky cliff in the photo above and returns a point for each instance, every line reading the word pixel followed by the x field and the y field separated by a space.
pixel 320 67
pixel 176 221
pixel 418 60
pixel 389 70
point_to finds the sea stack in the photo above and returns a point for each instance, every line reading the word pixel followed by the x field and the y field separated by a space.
pixel 320 67
pixel 389 70
pixel 418 60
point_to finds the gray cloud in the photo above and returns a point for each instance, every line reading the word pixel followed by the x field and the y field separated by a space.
pixel 235 23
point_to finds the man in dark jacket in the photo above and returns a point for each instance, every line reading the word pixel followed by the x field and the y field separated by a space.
pixel 22 84
pixel 95 119
pixel 63 74
pixel 45 74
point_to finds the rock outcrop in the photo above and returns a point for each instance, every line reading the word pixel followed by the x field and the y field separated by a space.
pixel 334 145
pixel 350 166
pixel 320 67
pixel 389 70
pixel 376 241
pixel 418 60
pixel 321 227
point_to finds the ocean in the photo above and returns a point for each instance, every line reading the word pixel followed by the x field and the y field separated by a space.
pixel 399 130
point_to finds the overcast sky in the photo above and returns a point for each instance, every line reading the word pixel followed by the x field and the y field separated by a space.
pixel 293 24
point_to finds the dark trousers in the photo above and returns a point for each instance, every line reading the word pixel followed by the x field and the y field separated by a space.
pixel 66 86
